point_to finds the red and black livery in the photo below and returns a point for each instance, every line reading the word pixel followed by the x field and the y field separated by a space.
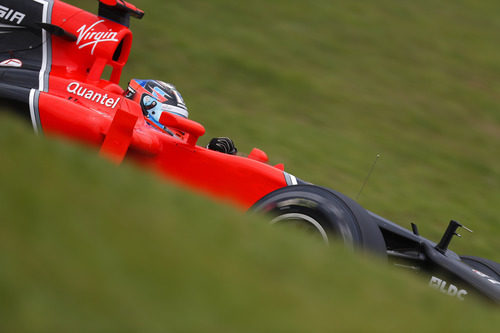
pixel 63 53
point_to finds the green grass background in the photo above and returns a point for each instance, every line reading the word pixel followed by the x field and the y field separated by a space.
pixel 322 86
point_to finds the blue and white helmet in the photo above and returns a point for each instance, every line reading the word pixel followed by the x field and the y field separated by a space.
pixel 156 97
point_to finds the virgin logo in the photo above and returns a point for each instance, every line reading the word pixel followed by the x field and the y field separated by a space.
pixel 90 37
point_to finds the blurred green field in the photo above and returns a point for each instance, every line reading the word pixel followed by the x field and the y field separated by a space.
pixel 86 246
pixel 321 86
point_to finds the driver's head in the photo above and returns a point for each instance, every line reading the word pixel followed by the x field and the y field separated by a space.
pixel 155 97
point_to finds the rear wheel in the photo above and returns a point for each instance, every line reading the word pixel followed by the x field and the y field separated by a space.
pixel 324 212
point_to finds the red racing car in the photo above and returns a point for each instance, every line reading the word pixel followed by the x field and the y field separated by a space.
pixel 53 61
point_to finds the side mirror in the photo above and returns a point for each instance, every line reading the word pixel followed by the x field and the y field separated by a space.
pixel 193 129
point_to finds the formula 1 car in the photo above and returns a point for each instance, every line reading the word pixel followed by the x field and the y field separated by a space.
pixel 52 72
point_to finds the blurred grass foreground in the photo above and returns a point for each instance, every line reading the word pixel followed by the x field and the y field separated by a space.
pixel 323 87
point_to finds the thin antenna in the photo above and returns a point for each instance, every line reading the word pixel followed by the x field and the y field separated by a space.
pixel 368 176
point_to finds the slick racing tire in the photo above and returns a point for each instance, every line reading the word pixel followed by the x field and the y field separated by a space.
pixel 325 212
pixel 485 266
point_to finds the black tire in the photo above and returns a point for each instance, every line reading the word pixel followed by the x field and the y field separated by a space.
pixel 483 265
pixel 326 211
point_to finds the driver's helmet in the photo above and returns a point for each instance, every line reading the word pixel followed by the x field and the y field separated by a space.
pixel 156 97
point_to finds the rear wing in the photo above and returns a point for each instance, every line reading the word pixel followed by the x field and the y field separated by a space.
pixel 42 40
pixel 119 11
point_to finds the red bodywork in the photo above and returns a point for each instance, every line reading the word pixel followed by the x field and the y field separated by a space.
pixel 82 104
